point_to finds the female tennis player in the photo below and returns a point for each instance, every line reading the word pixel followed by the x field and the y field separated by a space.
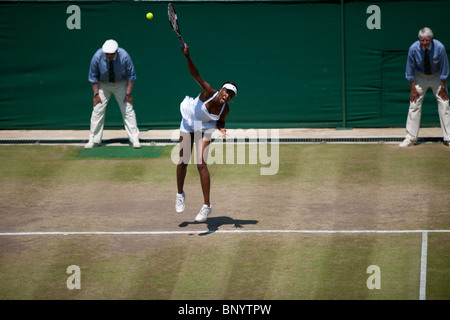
pixel 201 116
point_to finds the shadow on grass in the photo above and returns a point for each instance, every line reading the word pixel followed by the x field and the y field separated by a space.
pixel 214 223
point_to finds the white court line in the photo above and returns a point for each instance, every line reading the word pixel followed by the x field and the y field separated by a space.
pixel 66 233
pixel 423 266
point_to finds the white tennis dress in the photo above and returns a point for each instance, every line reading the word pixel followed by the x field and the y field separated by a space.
pixel 195 115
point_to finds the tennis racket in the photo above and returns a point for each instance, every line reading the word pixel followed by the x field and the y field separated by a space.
pixel 173 20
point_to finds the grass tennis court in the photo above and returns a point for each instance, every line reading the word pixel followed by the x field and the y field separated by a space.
pixel 318 187
pixel 122 152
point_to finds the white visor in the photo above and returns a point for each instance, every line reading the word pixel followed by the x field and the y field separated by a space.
pixel 229 86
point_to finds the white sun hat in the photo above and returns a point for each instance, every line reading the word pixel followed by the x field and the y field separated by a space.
pixel 110 46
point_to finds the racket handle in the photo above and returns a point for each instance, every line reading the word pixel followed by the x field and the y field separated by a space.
pixel 182 43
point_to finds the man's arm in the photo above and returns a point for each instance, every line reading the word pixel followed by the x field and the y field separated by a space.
pixel 129 96
pixel 94 77
pixel 130 75
pixel 443 62
pixel 96 99
pixel 410 76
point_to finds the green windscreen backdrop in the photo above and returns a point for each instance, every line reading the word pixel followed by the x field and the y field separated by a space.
pixel 297 63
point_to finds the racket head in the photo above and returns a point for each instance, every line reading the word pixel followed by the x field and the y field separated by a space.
pixel 173 19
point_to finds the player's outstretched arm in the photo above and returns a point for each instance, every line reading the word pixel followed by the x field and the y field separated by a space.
pixel 207 90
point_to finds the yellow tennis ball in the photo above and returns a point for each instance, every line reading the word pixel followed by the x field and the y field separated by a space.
pixel 149 16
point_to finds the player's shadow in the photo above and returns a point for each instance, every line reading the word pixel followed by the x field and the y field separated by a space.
pixel 214 223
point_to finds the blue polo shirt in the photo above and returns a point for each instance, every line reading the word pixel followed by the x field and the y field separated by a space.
pixel 438 60
pixel 123 67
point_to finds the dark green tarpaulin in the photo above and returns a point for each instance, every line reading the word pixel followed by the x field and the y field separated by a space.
pixel 285 57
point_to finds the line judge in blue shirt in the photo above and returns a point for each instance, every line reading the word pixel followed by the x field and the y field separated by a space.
pixel 427 67
pixel 112 72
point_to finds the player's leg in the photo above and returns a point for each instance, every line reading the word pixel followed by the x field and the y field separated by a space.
pixel 202 145
pixel 186 144
pixel 202 167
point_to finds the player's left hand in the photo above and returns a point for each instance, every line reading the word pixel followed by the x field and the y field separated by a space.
pixel 223 133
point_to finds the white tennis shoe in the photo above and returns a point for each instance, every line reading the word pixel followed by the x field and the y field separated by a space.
pixel 179 202
pixel 406 143
pixel 203 214
pixel 90 145
pixel 136 144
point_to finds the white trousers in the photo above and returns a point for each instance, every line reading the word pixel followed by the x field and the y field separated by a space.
pixel 119 89
pixel 423 82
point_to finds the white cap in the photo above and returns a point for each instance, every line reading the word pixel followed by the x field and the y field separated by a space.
pixel 110 46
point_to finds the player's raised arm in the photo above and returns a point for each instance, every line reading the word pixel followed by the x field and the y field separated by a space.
pixel 207 90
